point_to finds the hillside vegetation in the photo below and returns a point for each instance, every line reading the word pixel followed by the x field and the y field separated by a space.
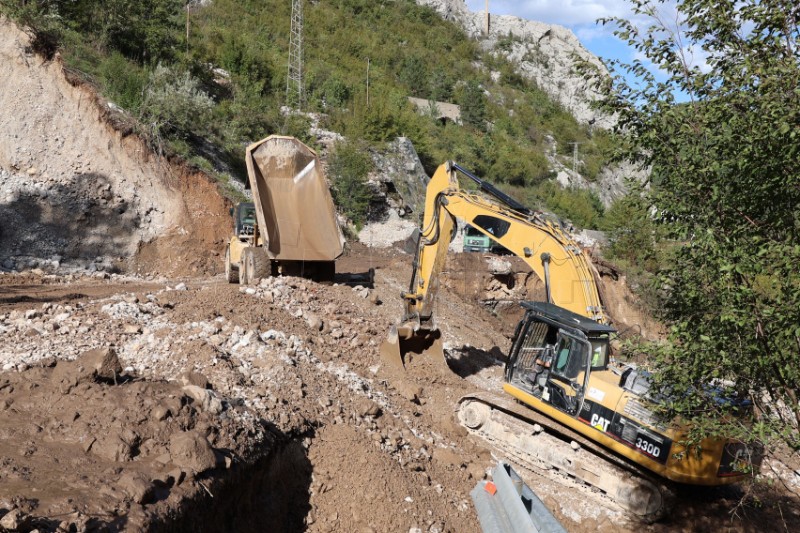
pixel 204 94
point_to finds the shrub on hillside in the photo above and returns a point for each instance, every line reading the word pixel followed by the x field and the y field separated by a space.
pixel 580 206
pixel 123 80
pixel 348 169
pixel 473 105
pixel 631 232
pixel 175 105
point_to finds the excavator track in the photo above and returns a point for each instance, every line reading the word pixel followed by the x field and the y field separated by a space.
pixel 537 443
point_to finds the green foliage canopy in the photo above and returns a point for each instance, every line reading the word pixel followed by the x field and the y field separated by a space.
pixel 473 105
pixel 723 142
pixel 175 104
pixel 349 167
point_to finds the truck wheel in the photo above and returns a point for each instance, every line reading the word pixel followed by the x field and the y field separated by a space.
pixel 258 265
pixel 324 271
pixel 244 279
pixel 231 273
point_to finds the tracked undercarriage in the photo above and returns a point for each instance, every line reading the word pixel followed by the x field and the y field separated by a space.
pixel 535 442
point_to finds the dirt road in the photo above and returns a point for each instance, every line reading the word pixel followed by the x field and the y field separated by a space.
pixel 231 401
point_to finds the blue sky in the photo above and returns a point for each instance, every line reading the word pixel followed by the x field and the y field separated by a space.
pixel 577 15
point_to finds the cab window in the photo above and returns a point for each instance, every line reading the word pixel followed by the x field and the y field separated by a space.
pixel 570 358
pixel 248 215
pixel 473 232
pixel 496 226
pixel 599 354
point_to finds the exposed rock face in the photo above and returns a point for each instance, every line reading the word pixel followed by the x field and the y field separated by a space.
pixel 398 184
pixel 399 165
pixel 545 53
pixel 78 190
pixel 609 185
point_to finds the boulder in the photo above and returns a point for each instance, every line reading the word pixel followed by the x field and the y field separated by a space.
pixel 192 451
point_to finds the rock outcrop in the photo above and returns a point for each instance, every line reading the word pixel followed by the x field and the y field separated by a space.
pixel 545 53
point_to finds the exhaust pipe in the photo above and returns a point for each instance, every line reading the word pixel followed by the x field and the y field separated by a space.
pixel 546 265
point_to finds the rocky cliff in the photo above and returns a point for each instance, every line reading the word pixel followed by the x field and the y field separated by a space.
pixel 545 53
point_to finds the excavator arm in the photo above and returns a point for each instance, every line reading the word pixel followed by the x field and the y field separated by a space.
pixel 550 252
pixel 546 248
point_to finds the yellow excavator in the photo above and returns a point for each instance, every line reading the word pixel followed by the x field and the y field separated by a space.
pixel 568 404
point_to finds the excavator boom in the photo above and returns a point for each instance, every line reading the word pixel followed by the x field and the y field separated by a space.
pixel 550 252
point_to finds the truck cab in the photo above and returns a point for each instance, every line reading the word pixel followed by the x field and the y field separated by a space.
pixel 475 241
pixel 244 219
pixel 244 236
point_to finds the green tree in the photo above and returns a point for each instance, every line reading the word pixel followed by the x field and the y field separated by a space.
pixel 723 141
pixel 174 104
pixel 631 230
pixel 473 105
pixel 414 75
pixel 146 30
pixel 349 166
pixel 441 86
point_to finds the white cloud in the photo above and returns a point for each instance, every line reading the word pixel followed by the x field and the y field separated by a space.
pixel 589 33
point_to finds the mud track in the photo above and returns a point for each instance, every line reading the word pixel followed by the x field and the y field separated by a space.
pixel 262 409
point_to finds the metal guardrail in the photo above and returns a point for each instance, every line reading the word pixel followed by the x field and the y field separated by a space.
pixel 507 505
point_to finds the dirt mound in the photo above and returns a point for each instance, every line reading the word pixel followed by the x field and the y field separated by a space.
pixel 87 446
pixel 301 357
pixel 76 191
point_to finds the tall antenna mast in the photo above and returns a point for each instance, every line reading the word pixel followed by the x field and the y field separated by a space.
pixel 295 97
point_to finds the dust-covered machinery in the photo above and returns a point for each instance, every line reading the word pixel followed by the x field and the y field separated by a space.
pixel 290 227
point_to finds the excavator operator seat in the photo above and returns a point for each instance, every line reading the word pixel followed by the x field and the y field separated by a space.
pixel 599 354
pixel 562 358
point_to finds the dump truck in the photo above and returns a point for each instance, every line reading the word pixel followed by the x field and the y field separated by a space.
pixel 290 227
pixel 475 241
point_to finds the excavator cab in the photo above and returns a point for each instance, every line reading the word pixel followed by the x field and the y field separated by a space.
pixel 554 353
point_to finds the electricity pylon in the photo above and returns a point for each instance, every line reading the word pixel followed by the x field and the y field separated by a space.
pixel 295 96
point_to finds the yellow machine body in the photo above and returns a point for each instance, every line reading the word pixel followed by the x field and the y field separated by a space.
pixel 592 396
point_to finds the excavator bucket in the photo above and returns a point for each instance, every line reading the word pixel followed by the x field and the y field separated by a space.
pixel 403 344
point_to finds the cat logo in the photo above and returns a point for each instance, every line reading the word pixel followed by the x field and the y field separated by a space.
pixel 598 422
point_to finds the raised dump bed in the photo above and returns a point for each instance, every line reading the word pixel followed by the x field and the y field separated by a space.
pixel 290 227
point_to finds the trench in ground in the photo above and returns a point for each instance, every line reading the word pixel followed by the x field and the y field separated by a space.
pixel 271 494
